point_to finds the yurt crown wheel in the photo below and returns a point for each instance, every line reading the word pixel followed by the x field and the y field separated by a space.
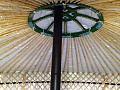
pixel 78 19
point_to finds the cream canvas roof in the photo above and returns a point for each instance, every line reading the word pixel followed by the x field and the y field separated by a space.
pixel 22 49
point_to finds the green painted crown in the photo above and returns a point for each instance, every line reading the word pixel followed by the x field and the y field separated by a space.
pixel 78 19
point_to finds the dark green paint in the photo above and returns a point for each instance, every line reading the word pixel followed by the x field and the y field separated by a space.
pixel 69 14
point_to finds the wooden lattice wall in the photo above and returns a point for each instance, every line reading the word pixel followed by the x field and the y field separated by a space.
pixel 70 81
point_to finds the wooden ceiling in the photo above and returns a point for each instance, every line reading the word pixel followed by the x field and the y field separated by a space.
pixel 22 49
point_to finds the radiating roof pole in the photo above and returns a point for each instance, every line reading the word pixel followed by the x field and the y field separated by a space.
pixel 57 44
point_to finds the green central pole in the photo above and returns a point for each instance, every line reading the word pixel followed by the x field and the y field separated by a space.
pixel 56 53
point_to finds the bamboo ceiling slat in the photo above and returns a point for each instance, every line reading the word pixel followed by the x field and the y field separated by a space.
pixel 19 53
pixel 96 57
pixel 76 55
pixel 5 42
pixel 37 56
pixel 114 57
pixel 68 55
pixel 28 57
pixel 12 30
pixel 16 43
pixel 64 55
pixel 48 64
pixel 109 38
pixel 22 58
pixel 44 54
pixel 82 55
pixel 89 61
pixel 35 60
pixel 99 1
pixel 103 55
pixel 107 46
pixel 79 56
pixel 10 48
pixel 32 3
pixel 93 63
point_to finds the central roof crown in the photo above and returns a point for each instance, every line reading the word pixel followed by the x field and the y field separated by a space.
pixel 78 19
